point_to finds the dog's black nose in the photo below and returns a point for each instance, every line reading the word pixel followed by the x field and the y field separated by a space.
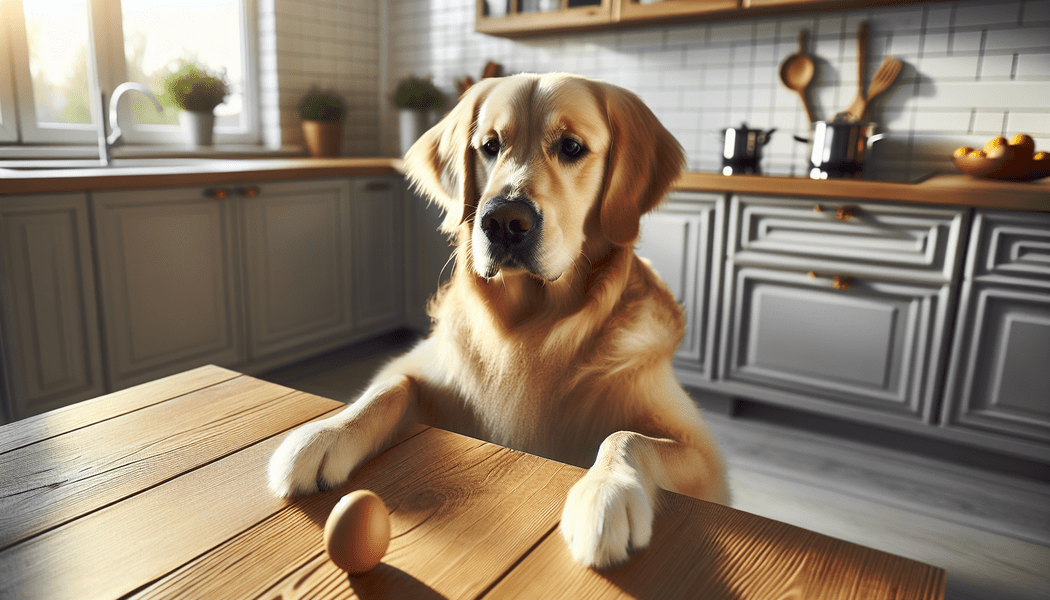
pixel 509 222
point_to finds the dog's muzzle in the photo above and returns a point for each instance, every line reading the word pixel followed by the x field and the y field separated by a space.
pixel 512 231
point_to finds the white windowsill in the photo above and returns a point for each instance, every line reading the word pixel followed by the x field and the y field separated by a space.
pixel 239 151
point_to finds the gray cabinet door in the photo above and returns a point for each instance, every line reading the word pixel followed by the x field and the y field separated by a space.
pixel 1001 380
pixel 377 246
pixel 679 241
pixel 48 314
pixel 296 238
pixel 998 386
pixel 872 349
pixel 168 282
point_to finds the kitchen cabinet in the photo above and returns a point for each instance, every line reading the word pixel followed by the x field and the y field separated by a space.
pixel 998 387
pixel 682 240
pixel 51 353
pixel 296 248
pixel 518 18
pixel 378 243
pixel 839 307
pixel 168 282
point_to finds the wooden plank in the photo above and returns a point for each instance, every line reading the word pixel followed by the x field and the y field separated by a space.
pixel 462 513
pixel 59 479
pixel 716 552
pixel 63 420
pixel 116 550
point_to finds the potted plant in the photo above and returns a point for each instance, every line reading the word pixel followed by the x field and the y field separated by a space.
pixel 196 92
pixel 322 115
pixel 418 101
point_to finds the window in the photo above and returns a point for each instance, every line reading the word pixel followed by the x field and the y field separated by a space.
pixel 66 53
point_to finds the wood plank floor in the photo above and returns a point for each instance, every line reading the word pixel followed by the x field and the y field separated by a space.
pixel 989 530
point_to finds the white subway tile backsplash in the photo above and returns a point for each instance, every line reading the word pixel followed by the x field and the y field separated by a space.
pixel 973 69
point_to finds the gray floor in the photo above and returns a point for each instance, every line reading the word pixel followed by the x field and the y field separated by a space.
pixel 989 530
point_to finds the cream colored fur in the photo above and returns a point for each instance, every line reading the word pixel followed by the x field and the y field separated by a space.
pixel 571 361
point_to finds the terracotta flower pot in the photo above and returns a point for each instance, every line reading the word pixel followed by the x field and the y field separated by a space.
pixel 322 138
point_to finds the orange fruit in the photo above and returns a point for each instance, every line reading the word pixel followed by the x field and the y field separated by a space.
pixel 1024 145
pixel 994 143
pixel 962 151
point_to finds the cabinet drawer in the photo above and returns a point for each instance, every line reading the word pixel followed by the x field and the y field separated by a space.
pixel 875 346
pixel 867 236
pixel 1013 245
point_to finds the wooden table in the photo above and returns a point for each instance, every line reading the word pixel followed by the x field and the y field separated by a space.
pixel 159 491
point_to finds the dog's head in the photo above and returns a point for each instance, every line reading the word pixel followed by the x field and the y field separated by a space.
pixel 529 167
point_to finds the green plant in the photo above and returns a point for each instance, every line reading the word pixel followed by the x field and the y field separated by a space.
pixel 191 87
pixel 421 94
pixel 324 106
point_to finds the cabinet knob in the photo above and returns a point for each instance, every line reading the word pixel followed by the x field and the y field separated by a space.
pixel 838 282
pixel 217 193
pixel 248 191
pixel 377 186
pixel 845 213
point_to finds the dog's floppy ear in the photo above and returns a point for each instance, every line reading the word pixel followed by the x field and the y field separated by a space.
pixel 441 163
pixel 644 160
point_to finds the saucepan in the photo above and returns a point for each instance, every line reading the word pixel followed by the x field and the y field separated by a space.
pixel 742 149
pixel 839 148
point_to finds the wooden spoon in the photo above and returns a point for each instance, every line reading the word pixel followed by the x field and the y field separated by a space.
pixel 860 105
pixel 797 72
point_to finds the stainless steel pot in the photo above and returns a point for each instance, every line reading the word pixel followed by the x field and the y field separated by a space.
pixel 838 148
pixel 742 149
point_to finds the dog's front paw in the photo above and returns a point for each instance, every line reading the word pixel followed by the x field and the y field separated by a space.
pixel 315 456
pixel 606 516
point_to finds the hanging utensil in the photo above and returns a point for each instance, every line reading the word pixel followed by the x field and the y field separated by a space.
pixel 797 72
pixel 860 105
pixel 882 80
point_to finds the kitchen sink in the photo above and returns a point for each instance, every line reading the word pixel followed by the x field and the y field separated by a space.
pixel 117 163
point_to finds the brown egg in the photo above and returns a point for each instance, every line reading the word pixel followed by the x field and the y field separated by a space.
pixel 358 532
pixel 1000 152
pixel 1041 156
pixel 976 154
pixel 962 151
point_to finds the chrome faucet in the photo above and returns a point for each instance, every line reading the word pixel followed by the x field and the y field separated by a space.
pixel 106 144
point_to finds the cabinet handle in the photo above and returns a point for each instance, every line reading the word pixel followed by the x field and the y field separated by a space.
pixel 217 193
pixel 838 282
pixel 248 191
pixel 378 186
pixel 845 213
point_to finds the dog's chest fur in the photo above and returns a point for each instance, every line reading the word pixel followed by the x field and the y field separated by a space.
pixel 507 377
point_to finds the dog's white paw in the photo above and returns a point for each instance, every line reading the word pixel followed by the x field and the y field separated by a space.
pixel 606 516
pixel 315 456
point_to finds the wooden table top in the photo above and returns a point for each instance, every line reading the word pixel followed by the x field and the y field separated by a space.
pixel 159 491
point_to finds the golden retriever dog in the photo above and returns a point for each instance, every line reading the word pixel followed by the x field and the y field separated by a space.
pixel 551 336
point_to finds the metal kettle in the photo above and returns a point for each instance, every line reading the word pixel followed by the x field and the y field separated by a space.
pixel 742 149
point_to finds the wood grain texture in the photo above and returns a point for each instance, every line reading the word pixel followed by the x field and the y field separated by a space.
pixel 61 478
pixel 462 513
pixel 63 420
pixel 721 553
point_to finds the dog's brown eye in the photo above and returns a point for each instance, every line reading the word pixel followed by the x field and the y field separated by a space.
pixel 571 148
pixel 491 147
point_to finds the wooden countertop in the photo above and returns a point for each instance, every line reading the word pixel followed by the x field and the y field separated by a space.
pixel 952 189
pixel 159 491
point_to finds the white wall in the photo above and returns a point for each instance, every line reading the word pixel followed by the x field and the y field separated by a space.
pixel 974 70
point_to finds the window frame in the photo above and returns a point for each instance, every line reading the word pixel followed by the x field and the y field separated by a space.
pixel 106 72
